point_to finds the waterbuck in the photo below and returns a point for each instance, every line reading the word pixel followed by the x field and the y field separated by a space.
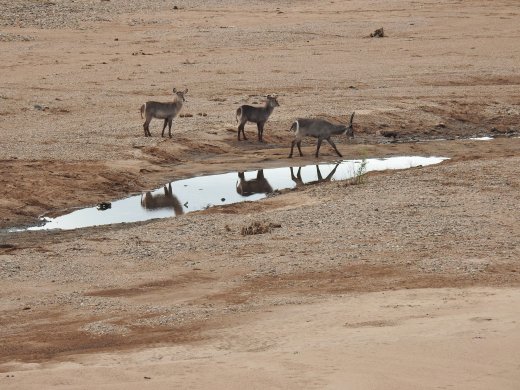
pixel 321 129
pixel 166 111
pixel 258 115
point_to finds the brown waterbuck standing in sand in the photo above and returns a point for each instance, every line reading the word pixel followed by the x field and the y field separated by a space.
pixel 258 115
pixel 321 129
pixel 166 111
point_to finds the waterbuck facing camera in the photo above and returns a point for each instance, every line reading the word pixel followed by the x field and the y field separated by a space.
pixel 320 129
pixel 258 115
pixel 166 111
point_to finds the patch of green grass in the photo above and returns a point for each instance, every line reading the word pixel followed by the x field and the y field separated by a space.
pixel 359 175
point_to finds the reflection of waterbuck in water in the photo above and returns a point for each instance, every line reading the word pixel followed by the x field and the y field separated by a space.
pixel 260 185
pixel 167 200
pixel 320 129
pixel 298 178
pixel 258 115
pixel 166 111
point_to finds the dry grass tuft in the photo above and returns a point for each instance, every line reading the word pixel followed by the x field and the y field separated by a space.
pixel 257 227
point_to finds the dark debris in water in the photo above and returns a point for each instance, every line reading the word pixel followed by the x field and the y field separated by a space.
pixel 104 206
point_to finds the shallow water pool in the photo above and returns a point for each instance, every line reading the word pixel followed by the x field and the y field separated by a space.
pixel 183 196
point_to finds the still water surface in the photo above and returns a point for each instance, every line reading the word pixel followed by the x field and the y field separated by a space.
pixel 197 193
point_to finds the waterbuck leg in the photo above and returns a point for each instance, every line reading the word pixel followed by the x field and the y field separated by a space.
pixel 241 129
pixel 146 126
pixel 320 140
pixel 299 143
pixel 164 126
pixel 334 146
pixel 170 122
pixel 260 126
pixel 292 147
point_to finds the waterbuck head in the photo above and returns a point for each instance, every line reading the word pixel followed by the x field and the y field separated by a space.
pixel 180 94
pixel 272 101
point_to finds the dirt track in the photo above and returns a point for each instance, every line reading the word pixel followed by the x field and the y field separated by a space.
pixel 439 244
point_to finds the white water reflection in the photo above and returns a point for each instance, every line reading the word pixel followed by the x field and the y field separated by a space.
pixel 485 138
pixel 197 193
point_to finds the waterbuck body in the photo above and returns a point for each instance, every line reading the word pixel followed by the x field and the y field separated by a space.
pixel 258 115
pixel 166 111
pixel 320 129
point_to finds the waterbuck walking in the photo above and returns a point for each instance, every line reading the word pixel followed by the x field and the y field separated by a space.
pixel 321 129
pixel 258 115
pixel 166 111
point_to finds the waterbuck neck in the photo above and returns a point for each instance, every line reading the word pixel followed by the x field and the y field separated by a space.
pixel 177 101
pixel 269 107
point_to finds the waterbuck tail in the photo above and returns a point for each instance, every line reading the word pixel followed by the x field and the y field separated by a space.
pixel 239 114
pixel 295 126
pixel 143 108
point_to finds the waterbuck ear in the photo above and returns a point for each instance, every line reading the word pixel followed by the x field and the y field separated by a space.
pixel 174 90
pixel 186 90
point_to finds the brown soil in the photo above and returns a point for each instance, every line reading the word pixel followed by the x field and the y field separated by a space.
pixel 115 297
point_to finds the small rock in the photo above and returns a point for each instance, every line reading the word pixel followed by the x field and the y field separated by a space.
pixel 390 134
pixel 104 206
pixel 379 33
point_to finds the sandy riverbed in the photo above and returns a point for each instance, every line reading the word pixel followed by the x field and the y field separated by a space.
pixel 406 281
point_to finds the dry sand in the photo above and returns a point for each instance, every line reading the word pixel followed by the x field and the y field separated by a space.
pixel 407 281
